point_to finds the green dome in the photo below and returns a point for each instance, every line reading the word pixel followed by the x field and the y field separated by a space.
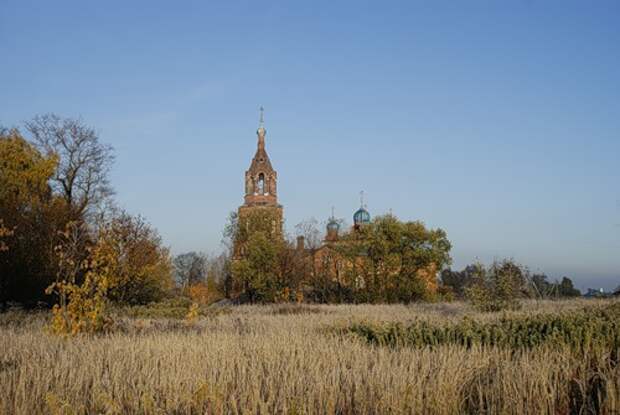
pixel 333 225
pixel 361 216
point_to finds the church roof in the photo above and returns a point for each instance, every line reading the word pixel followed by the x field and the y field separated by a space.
pixel 261 162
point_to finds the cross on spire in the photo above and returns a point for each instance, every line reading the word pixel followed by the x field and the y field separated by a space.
pixel 362 198
pixel 261 121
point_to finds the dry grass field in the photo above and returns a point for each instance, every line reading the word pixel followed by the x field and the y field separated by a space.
pixel 294 360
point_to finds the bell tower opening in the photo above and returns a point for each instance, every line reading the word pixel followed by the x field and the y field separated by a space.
pixel 261 184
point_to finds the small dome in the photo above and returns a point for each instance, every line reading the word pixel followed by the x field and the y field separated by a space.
pixel 361 216
pixel 261 131
pixel 333 225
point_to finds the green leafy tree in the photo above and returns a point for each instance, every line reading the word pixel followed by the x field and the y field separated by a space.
pixel 566 288
pixel 394 261
pixel 256 275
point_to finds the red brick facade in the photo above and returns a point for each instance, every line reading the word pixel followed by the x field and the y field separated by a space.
pixel 261 192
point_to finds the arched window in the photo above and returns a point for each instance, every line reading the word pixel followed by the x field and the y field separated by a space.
pixel 261 184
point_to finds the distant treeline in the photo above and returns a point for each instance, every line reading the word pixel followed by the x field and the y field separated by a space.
pixel 62 237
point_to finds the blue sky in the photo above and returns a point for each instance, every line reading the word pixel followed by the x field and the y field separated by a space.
pixel 497 121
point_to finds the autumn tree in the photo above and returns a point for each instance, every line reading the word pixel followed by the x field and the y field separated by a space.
pixel 394 261
pixel 82 286
pixel 81 175
pixel 4 233
pixel 31 218
pixel 137 266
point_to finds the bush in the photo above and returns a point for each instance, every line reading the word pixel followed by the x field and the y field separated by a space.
pixel 581 331
pixel 497 288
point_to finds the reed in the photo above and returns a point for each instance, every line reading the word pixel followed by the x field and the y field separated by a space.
pixel 269 359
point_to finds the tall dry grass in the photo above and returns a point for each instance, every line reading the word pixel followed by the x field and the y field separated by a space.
pixel 282 359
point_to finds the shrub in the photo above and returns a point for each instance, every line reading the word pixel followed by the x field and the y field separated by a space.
pixel 581 330
pixel 83 307
pixel 193 313
pixel 497 288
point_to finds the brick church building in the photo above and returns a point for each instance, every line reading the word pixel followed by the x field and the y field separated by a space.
pixel 261 202
pixel 341 258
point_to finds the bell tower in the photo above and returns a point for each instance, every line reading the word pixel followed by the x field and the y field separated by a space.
pixel 260 211
pixel 261 180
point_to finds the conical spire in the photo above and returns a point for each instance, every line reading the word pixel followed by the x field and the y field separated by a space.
pixel 261 130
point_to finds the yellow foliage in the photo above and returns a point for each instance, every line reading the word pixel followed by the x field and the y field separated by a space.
pixel 299 297
pixel 200 293
pixel 285 295
pixel 82 307
pixel 57 406
pixel 4 232
pixel 25 172
pixel 428 275
pixel 193 313
pixel 127 263
pixel 130 255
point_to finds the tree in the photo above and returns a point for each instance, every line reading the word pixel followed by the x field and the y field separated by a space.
pixel 309 230
pixel 555 289
pixel 81 176
pixel 394 261
pixel 255 276
pixel 135 263
pixel 4 233
pixel 542 286
pixel 497 287
pixel 458 281
pixel 82 305
pixel 31 218
pixel 229 234
pixel 190 268
pixel 566 288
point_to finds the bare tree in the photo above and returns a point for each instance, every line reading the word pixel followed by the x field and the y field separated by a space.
pixel 84 162
pixel 190 268
pixel 309 229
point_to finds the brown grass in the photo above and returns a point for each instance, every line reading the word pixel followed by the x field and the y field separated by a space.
pixel 269 359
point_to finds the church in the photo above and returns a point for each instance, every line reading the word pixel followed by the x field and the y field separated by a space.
pixel 261 202
pixel 343 259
